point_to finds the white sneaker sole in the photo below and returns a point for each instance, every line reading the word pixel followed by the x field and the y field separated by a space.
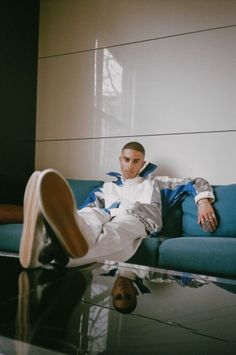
pixel 58 206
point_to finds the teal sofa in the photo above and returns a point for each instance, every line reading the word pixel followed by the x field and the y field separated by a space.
pixel 181 245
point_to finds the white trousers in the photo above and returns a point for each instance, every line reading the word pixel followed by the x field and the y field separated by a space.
pixel 109 239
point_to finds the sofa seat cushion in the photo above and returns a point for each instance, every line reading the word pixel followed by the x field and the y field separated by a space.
pixel 10 235
pixel 147 253
pixel 225 197
pixel 211 256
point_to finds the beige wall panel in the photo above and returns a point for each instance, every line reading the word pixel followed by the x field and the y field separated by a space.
pixel 76 25
pixel 166 92
pixel 209 155
pixel 65 99
pixel 181 84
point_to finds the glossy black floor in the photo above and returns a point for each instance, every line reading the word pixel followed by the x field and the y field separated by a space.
pixel 70 311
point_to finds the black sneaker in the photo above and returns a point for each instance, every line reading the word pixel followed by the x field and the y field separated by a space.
pixel 52 252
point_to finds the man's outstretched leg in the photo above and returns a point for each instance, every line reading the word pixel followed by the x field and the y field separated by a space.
pixel 81 234
pixel 85 236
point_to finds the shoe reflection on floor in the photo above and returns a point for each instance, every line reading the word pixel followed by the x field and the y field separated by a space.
pixel 46 303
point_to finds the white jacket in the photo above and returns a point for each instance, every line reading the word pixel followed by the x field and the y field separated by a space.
pixel 147 196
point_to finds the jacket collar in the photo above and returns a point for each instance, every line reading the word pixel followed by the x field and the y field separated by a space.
pixel 144 173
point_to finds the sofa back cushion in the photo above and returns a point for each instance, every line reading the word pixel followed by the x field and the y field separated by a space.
pixel 172 222
pixel 225 203
pixel 82 188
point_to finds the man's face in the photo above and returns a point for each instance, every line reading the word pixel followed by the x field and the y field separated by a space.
pixel 131 162
pixel 124 293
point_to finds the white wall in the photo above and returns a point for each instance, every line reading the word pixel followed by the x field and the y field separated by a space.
pixel 160 72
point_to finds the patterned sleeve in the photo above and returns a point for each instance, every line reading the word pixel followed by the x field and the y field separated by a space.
pixel 95 198
pixel 173 190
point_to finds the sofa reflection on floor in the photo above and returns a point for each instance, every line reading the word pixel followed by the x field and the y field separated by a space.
pixel 181 245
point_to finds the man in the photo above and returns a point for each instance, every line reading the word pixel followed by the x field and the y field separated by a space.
pixel 113 220
pixel 128 284
pixel 124 294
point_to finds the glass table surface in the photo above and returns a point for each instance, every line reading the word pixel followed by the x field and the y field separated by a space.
pixel 115 308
